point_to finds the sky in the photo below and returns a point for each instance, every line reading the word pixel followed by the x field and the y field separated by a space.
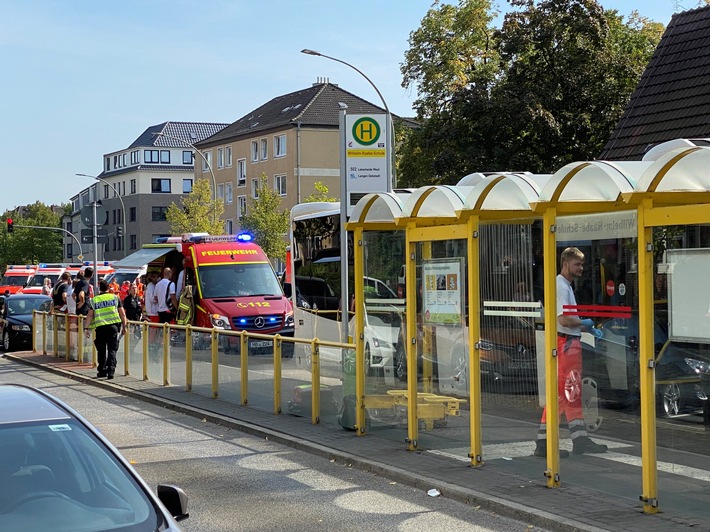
pixel 82 78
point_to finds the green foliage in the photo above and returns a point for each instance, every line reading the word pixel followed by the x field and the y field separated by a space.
pixel 29 245
pixel 321 193
pixel 267 221
pixel 544 90
pixel 199 212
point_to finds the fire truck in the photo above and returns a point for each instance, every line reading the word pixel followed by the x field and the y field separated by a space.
pixel 16 277
pixel 233 283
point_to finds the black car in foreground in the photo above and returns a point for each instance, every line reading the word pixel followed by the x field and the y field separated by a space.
pixel 57 472
pixel 16 319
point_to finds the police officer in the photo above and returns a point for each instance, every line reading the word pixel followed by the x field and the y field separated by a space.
pixel 107 316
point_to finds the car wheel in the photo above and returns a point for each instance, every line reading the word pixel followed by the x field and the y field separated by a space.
pixel 400 362
pixel 670 400
pixel 6 345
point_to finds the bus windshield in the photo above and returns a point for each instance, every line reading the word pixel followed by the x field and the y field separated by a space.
pixel 238 280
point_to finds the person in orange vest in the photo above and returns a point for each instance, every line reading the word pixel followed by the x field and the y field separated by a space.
pixel 113 287
pixel 124 290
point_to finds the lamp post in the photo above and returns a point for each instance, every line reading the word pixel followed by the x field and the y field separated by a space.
pixel 123 207
pixel 209 166
pixel 390 126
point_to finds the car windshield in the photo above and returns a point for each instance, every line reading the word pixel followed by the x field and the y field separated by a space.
pixel 120 277
pixel 238 280
pixel 14 280
pixel 25 305
pixel 56 475
pixel 38 279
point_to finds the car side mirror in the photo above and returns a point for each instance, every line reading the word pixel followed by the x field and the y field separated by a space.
pixel 174 499
pixel 287 290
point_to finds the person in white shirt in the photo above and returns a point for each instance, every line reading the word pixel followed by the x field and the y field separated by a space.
pixel 164 289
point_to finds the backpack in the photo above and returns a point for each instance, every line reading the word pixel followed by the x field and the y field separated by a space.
pixel 169 300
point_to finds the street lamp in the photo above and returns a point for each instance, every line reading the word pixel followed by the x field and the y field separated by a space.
pixel 207 162
pixel 123 207
pixel 390 129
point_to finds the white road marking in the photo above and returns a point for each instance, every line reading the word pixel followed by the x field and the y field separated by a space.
pixel 509 451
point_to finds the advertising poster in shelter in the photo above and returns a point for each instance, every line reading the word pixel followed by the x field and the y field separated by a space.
pixel 442 294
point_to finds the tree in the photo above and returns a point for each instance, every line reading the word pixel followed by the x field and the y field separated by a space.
pixel 32 246
pixel 199 212
pixel 267 221
pixel 546 89
pixel 321 193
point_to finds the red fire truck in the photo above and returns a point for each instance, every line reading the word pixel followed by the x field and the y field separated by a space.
pixel 234 285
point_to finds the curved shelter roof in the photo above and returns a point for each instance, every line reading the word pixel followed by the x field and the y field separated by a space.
pixel 381 208
pixel 679 170
pixel 591 186
pixel 504 195
pixel 435 203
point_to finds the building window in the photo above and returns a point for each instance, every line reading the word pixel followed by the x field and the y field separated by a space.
pixel 229 157
pixel 164 156
pixel 220 157
pixel 105 191
pixel 186 186
pixel 151 156
pixel 123 159
pixel 158 214
pixel 228 195
pixel 280 146
pixel 241 206
pixel 133 186
pixel 108 164
pixel 254 151
pixel 241 172
pixel 132 214
pixel 220 191
pixel 264 150
pixel 187 157
pixel 280 184
pixel 134 242
pixel 255 188
pixel 135 157
pixel 69 227
pixel 228 227
pixel 206 161
pixel 160 185
pixel 70 251
pixel 115 161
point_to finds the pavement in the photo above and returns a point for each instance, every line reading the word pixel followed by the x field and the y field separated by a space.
pixel 567 508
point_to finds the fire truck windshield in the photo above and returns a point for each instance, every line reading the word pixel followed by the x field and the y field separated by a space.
pixel 238 280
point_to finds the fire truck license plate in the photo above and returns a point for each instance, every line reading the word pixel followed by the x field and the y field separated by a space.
pixel 255 344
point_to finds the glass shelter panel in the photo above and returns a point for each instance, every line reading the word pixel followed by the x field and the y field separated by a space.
pixel 598 357
pixel 384 301
pixel 442 352
pixel 511 344
pixel 682 356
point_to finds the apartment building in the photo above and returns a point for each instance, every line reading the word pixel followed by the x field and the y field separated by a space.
pixel 135 188
pixel 292 140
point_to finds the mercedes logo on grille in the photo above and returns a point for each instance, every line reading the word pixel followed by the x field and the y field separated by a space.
pixel 259 322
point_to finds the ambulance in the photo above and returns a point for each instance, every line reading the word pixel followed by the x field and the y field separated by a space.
pixel 234 285
pixel 16 277
pixel 51 271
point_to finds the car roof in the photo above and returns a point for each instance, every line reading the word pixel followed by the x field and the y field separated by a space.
pixel 22 404
pixel 27 296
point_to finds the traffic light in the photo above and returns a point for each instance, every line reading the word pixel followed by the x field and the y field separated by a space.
pixel 10 227
pixel 119 232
